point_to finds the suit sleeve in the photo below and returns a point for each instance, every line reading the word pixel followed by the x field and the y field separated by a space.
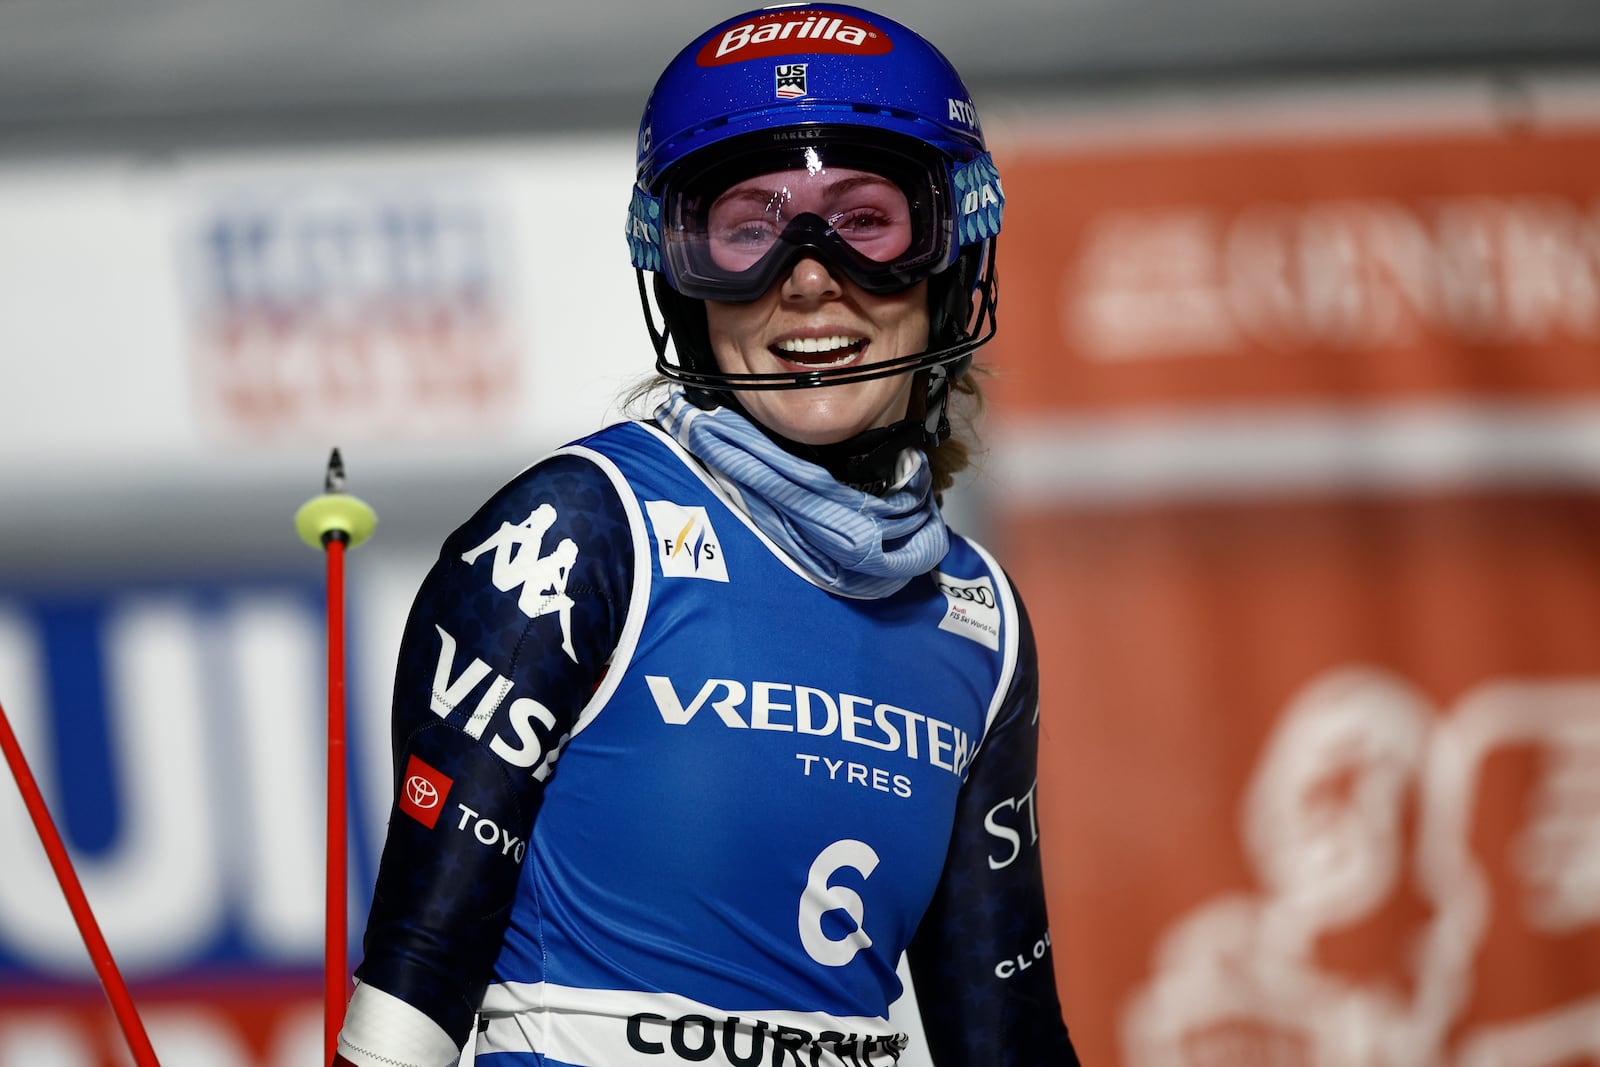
pixel 506 641
pixel 981 961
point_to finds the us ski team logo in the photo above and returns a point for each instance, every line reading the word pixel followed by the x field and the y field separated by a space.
pixel 685 542
pixel 791 78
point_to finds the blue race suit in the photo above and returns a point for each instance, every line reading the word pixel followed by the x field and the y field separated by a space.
pixel 661 799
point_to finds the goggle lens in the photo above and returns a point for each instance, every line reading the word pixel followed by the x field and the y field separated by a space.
pixel 867 212
pixel 878 214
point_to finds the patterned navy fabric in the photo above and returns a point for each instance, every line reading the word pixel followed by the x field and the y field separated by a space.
pixel 661 799
pixel 981 959
pixel 442 896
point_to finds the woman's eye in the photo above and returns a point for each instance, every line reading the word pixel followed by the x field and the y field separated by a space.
pixel 859 222
pixel 746 233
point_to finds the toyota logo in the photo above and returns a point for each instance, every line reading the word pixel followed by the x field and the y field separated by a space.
pixel 421 792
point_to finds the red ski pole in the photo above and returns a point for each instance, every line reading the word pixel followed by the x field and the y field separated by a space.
pixel 333 522
pixel 99 952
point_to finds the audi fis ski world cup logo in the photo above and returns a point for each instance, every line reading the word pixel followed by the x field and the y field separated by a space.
pixel 787 32
pixel 972 610
pixel 423 792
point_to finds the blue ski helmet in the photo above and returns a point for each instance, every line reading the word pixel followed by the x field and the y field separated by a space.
pixel 778 89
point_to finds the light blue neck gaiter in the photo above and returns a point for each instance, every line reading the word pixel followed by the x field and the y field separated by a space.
pixel 850 542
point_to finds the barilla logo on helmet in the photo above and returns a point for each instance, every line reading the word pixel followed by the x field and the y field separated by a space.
pixel 788 31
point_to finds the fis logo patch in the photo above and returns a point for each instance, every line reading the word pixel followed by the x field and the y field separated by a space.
pixel 972 609
pixel 791 78
pixel 685 542
pixel 423 793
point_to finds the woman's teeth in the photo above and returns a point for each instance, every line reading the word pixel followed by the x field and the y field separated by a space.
pixel 820 351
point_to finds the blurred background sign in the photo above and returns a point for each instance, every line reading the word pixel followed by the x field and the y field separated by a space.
pixel 1275 265
pixel 1299 440
pixel 387 312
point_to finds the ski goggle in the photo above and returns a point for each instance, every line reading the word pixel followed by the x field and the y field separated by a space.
pixel 731 227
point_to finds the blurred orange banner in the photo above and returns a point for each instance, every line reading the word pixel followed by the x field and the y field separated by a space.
pixel 1320 778
pixel 1292 268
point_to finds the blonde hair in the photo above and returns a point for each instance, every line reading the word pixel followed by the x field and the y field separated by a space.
pixel 960 450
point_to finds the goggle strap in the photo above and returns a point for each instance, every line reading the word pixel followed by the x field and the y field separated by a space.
pixel 644 230
pixel 980 201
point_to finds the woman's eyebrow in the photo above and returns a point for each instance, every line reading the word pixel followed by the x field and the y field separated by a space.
pixel 845 185
pixel 750 195
pixel 767 194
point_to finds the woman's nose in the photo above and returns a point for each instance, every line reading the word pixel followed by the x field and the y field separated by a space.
pixel 809 280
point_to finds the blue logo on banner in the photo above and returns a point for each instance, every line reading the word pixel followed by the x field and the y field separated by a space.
pixel 177 731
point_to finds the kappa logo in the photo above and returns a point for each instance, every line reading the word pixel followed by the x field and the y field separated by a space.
pixel 788 32
pixel 423 793
pixel 519 562
pixel 791 80
pixel 972 610
pixel 685 542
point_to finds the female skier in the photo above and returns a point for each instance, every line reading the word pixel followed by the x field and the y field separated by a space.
pixel 704 721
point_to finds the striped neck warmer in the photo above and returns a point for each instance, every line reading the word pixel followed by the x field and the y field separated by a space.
pixel 850 542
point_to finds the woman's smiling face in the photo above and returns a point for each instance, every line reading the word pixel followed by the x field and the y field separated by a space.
pixel 813 318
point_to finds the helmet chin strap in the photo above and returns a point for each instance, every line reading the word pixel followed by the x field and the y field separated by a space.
pixel 869 460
